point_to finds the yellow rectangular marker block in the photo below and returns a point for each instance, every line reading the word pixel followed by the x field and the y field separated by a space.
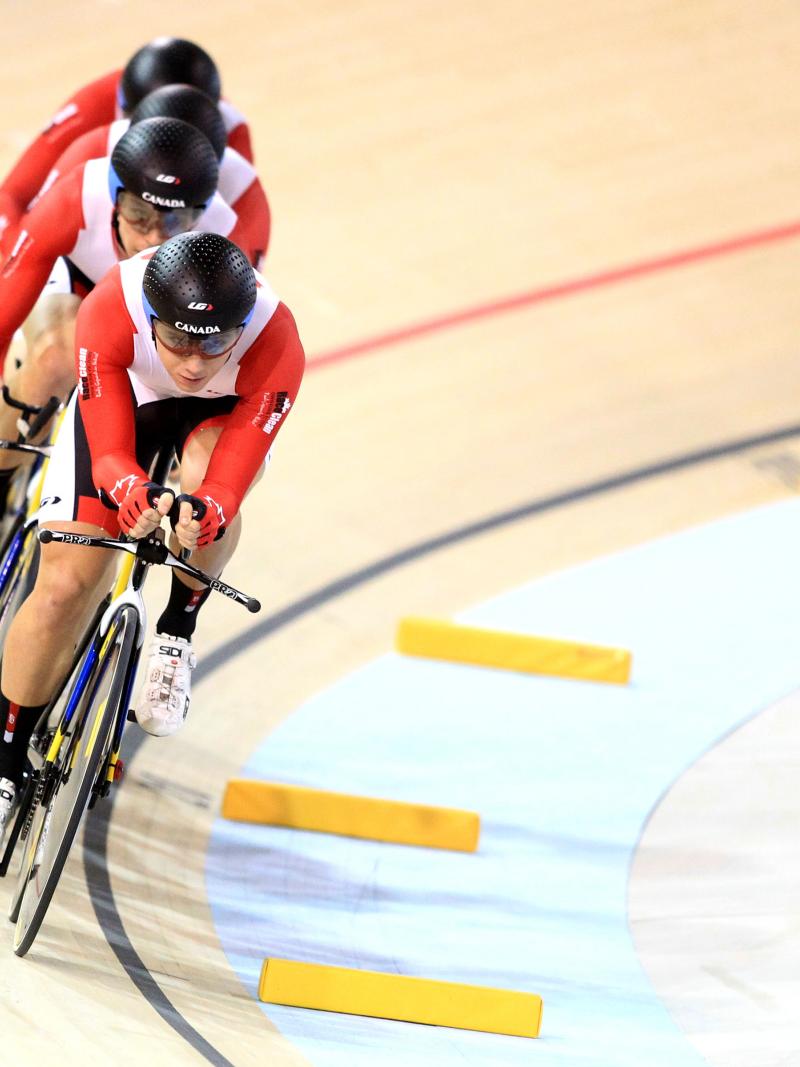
pixel 339 813
pixel 437 639
pixel 394 996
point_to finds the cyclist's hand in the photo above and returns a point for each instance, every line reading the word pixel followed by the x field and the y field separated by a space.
pixel 201 520
pixel 143 508
pixel 187 528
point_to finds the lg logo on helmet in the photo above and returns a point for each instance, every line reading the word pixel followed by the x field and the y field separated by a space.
pixel 195 306
pixel 168 179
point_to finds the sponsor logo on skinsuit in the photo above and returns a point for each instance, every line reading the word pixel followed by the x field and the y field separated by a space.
pixel 271 410
pixel 88 377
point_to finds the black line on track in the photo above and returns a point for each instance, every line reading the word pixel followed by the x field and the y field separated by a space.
pixel 95 844
pixel 101 894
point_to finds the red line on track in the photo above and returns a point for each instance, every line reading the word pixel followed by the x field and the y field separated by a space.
pixel 615 275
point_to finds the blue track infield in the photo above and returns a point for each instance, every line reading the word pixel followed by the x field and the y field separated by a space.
pixel 564 775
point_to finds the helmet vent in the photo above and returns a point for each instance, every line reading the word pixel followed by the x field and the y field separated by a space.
pixel 202 269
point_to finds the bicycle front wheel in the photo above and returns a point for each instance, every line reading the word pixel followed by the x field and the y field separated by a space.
pixel 17 574
pixel 80 761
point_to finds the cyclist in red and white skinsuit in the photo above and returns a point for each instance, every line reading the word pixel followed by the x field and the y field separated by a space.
pixel 238 184
pixel 164 61
pixel 184 345
pixel 160 180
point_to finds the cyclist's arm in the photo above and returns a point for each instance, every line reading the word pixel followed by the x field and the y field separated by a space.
pixel 90 145
pixel 48 231
pixel 269 378
pixel 103 352
pixel 239 138
pixel 252 229
pixel 91 106
pixel 242 235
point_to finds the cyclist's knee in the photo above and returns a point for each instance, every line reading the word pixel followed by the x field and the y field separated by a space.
pixel 54 315
pixel 67 583
pixel 62 591
pixel 50 364
pixel 196 455
pixel 50 335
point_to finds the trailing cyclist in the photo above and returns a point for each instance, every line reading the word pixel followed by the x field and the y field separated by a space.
pixel 239 185
pixel 159 181
pixel 187 346
pixel 164 61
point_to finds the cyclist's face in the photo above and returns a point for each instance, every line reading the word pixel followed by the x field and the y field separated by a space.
pixel 141 226
pixel 190 370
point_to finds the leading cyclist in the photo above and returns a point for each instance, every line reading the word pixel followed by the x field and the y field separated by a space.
pixel 184 345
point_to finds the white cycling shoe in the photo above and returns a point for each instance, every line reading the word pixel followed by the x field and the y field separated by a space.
pixel 164 698
pixel 8 804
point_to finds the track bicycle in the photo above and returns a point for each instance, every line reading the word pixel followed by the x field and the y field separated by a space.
pixel 18 568
pixel 75 751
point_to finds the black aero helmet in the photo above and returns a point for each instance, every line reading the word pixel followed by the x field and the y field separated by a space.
pixel 200 284
pixel 164 61
pixel 166 162
pixel 187 103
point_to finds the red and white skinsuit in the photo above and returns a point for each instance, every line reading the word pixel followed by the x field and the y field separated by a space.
pixel 74 220
pixel 93 105
pixel 238 184
pixel 122 383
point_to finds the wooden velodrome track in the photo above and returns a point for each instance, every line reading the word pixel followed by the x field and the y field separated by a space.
pixel 424 160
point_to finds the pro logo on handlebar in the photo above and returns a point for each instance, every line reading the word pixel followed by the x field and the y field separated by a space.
pixel 224 589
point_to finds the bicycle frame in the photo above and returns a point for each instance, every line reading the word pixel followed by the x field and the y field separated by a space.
pixel 127 592
pixel 91 649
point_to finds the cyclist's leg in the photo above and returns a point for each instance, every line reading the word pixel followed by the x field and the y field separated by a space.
pixel 39 647
pixel 74 767
pixel 195 457
pixel 164 699
pixel 48 367
pixel 47 627
pixel 70 581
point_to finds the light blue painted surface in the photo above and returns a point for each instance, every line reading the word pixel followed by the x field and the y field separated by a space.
pixel 563 774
